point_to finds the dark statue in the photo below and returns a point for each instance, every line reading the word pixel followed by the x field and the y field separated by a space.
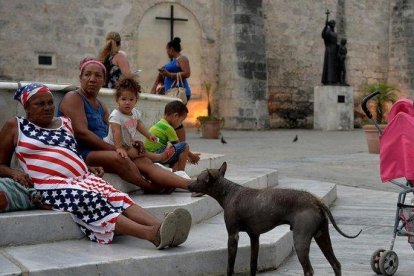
pixel 334 71
pixel 342 51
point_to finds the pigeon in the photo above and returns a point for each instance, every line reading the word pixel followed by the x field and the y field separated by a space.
pixel 222 140
pixel 295 139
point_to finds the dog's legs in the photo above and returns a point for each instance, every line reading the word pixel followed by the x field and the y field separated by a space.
pixel 301 240
pixel 254 247
pixel 323 240
pixel 232 244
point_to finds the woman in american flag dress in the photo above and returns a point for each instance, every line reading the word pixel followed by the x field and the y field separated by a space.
pixel 46 150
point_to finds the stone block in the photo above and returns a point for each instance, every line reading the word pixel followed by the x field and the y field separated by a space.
pixel 333 108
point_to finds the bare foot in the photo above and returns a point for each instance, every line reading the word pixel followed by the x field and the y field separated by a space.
pixel 193 158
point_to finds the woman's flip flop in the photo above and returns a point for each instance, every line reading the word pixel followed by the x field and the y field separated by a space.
pixel 167 230
pixel 183 226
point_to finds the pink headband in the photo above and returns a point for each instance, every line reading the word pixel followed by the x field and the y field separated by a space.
pixel 92 61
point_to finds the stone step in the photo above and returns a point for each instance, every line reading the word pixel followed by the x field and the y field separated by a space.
pixel 38 226
pixel 205 251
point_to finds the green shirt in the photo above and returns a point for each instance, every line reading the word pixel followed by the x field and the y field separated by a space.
pixel 165 133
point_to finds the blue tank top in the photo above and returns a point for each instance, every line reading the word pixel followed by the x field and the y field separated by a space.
pixel 173 67
pixel 96 123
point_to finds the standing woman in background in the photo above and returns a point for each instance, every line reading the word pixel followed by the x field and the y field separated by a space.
pixel 168 74
pixel 114 59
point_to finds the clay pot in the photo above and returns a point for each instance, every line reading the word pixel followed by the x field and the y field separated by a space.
pixel 372 135
pixel 210 129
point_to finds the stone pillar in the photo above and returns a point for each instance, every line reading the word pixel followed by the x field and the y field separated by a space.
pixel 241 98
pixel 401 46
pixel 333 108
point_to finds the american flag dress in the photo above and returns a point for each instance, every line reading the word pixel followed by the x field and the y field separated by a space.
pixel 59 174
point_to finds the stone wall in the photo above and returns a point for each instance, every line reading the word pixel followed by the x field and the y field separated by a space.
pixel 401 45
pixel 242 94
pixel 294 59
pixel 262 58
pixel 74 29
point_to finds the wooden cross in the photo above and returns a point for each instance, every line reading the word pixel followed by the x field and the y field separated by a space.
pixel 171 19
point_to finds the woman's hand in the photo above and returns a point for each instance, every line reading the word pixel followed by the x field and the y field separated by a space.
pixel 22 177
pixel 98 171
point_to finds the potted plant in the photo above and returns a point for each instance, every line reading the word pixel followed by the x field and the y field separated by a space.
pixel 210 125
pixel 378 107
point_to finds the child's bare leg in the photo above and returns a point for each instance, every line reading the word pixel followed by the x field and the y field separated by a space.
pixel 161 157
pixel 182 160
pixel 154 157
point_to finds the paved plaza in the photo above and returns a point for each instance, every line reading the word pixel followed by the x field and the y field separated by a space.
pixel 333 165
pixel 363 202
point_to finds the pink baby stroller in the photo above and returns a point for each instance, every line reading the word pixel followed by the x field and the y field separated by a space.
pixel 396 161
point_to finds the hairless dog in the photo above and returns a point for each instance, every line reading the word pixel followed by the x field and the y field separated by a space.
pixel 257 211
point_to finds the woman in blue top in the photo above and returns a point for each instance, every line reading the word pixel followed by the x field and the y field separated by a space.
pixel 168 74
pixel 89 118
pixel 178 64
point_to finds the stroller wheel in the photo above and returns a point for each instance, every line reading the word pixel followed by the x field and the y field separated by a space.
pixel 375 257
pixel 388 263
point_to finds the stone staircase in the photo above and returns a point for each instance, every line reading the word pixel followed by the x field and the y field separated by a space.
pixel 49 243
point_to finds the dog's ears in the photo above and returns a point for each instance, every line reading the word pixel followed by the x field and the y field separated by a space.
pixel 223 168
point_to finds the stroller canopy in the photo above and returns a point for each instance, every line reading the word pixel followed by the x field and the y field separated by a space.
pixel 397 143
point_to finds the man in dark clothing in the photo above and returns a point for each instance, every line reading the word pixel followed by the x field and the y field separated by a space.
pixel 330 63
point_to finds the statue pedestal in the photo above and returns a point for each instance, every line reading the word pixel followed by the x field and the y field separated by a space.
pixel 333 107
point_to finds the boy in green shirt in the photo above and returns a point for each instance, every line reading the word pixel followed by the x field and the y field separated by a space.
pixel 174 114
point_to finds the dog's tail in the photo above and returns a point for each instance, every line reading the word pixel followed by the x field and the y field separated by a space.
pixel 331 218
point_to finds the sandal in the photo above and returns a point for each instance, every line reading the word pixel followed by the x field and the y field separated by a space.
pixel 165 234
pixel 183 226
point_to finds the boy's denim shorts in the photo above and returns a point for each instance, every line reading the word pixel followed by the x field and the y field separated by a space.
pixel 179 148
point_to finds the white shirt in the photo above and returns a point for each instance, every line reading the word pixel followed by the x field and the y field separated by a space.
pixel 128 125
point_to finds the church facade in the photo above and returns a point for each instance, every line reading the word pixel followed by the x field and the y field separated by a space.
pixel 262 58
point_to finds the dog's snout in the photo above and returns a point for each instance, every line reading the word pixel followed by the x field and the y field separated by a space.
pixel 192 185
